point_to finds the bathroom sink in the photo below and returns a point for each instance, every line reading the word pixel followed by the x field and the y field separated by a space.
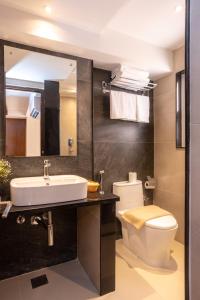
pixel 37 190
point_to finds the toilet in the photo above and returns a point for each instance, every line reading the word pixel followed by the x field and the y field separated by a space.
pixel 152 243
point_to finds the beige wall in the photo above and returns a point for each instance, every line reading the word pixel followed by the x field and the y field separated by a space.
pixel 68 125
pixel 16 105
pixel 33 139
pixel 169 164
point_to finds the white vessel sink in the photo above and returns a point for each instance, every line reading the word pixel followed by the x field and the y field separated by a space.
pixel 37 190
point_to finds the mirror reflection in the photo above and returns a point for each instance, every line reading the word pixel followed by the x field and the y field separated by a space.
pixel 41 104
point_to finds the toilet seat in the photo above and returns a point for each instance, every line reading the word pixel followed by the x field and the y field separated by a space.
pixel 165 223
pixel 162 223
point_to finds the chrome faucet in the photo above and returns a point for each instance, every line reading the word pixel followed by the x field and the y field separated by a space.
pixel 46 168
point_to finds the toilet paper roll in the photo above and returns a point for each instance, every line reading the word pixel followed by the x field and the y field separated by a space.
pixel 132 176
pixel 149 186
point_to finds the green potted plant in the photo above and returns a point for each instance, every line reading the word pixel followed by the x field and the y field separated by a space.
pixel 5 173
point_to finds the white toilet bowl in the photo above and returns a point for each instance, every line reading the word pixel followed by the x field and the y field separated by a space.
pixel 153 242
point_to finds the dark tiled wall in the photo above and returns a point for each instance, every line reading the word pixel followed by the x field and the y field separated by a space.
pixel 120 146
pixel 24 247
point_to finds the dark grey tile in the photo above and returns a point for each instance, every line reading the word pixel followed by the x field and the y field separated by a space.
pixel 85 111
pixel 100 75
pixel 123 132
pixel 84 69
pixel 33 166
pixel 117 159
pixel 25 247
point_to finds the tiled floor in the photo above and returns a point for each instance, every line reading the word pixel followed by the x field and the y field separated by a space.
pixel 134 280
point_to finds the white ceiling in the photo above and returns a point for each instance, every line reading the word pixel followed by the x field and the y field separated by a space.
pixel 140 33
pixel 32 66
pixel 92 15
pixel 155 21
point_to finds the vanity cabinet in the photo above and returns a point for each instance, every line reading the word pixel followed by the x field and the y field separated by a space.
pixel 83 229
pixel 96 244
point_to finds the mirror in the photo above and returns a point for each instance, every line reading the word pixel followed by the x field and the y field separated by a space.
pixel 41 104
pixel 180 109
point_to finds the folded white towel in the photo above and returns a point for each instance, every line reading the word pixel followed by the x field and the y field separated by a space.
pixel 123 106
pixel 130 72
pixel 143 109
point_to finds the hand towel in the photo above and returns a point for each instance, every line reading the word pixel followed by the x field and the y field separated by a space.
pixel 123 106
pixel 143 107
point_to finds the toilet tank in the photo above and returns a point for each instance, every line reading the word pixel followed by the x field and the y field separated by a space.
pixel 130 193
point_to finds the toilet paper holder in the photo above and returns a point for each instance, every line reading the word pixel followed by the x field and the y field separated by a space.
pixel 150 183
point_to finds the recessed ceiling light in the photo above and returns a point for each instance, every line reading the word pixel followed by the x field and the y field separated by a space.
pixel 178 8
pixel 48 9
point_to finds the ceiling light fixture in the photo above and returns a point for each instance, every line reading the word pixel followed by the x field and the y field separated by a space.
pixel 48 9
pixel 178 8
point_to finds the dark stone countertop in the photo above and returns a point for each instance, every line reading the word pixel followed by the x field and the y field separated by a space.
pixel 92 199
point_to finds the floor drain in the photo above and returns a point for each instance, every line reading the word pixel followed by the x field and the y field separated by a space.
pixel 39 281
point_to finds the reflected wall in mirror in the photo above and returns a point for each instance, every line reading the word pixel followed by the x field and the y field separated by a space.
pixel 180 109
pixel 41 104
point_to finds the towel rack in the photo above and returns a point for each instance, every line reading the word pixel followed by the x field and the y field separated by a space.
pixel 128 84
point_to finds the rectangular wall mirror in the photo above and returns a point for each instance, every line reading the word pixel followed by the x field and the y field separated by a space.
pixel 180 109
pixel 41 104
